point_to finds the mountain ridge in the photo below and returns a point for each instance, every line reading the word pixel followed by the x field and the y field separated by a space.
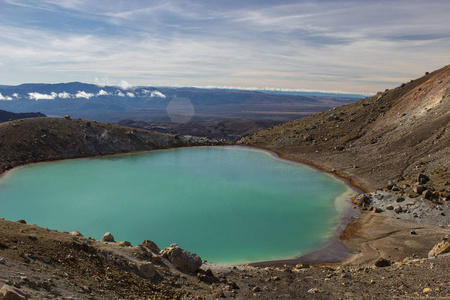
pixel 112 103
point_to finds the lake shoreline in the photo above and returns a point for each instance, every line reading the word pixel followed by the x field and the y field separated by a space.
pixel 343 243
pixel 263 152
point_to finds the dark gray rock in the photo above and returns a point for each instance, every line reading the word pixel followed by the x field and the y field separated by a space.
pixel 422 178
pixel 183 260
pixel 382 262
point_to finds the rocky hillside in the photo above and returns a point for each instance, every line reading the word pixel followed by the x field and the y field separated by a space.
pixel 9 116
pixel 229 130
pixel 43 139
pixel 393 136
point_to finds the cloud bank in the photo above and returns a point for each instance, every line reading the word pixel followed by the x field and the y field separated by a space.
pixel 81 95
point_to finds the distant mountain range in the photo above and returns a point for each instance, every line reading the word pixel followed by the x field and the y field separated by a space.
pixel 8 116
pixel 112 103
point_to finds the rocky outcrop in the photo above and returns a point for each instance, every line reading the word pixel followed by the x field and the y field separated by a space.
pixel 44 139
pixel 440 248
pixel 415 209
pixel 183 260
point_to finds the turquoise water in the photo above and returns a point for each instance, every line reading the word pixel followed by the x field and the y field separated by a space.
pixel 227 204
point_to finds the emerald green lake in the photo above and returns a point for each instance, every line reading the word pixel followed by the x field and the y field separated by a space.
pixel 227 204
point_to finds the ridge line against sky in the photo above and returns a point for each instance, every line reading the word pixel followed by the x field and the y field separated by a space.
pixel 354 45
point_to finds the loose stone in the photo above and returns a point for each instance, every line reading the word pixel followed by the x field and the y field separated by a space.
pixel 108 237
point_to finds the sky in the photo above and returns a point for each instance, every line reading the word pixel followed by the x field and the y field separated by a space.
pixel 352 46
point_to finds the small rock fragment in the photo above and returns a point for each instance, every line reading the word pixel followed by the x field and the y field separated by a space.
pixel 382 262
pixel 377 210
pixel 422 178
pixel 399 199
pixel 125 244
pixel 76 233
pixel 302 266
pixel 419 189
pixel 207 277
pixel 428 195
pixel 314 291
pixel 427 290
pixel 219 294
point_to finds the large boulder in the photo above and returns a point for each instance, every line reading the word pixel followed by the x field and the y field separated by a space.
pixel 10 293
pixel 183 260
pixel 108 237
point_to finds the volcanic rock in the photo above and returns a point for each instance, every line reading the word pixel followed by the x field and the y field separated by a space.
pixel 183 260
pixel 108 237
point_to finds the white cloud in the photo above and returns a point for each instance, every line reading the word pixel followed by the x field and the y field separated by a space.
pixel 131 95
pixel 157 94
pixel 125 85
pixel 103 93
pixel 119 93
pixel 64 95
pixel 5 98
pixel 39 96
pixel 83 94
